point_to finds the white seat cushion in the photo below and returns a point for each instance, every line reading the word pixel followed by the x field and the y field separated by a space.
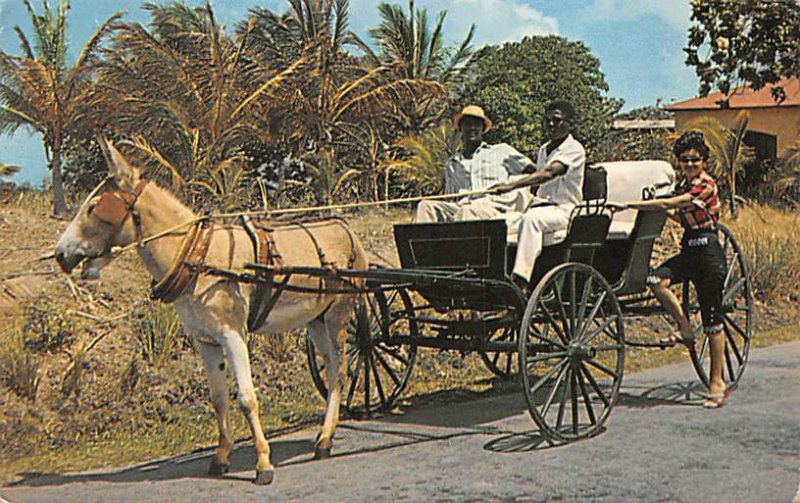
pixel 625 180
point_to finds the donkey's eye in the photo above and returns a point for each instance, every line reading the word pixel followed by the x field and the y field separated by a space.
pixel 90 209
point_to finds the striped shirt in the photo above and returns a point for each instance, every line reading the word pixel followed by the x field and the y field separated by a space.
pixel 704 211
pixel 488 166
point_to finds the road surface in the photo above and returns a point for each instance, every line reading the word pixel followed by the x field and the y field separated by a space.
pixel 660 446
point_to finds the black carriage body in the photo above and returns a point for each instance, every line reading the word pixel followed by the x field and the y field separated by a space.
pixel 453 291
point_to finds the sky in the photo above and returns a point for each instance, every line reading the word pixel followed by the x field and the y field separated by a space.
pixel 638 42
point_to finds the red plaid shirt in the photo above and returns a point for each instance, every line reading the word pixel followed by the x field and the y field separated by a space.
pixel 704 211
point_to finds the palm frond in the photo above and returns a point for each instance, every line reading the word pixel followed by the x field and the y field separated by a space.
pixel 9 169
pixel 159 163
pixel 24 44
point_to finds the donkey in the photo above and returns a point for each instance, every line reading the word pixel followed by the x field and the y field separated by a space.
pixel 214 309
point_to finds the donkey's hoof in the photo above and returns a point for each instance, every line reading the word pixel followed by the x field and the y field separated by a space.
pixel 322 452
pixel 264 478
pixel 217 469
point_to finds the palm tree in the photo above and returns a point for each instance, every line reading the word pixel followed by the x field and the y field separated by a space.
pixel 193 99
pixel 428 154
pixel 407 43
pixel 39 91
pixel 339 94
pixel 728 151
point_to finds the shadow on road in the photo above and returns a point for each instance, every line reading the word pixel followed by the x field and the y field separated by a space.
pixel 688 393
pixel 194 465
pixel 443 416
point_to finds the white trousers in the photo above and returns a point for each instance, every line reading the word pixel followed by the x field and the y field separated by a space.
pixel 535 223
pixel 506 207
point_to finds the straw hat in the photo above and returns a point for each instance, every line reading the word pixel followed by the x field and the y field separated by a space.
pixel 473 111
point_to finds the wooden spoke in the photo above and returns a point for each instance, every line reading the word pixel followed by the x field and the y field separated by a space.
pixel 377 372
pixel 587 311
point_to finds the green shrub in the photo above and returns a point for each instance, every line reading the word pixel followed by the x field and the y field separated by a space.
pixel 160 335
pixel 20 369
pixel 47 327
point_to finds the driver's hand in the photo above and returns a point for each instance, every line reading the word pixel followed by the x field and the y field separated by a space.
pixel 501 188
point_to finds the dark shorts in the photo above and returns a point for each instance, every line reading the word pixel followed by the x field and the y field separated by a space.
pixel 702 262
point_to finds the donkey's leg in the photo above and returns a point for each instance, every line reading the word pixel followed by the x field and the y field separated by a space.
pixel 236 349
pixel 325 341
pixel 336 322
pixel 214 364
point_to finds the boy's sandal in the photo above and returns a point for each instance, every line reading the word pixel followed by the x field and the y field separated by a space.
pixel 716 400
pixel 675 339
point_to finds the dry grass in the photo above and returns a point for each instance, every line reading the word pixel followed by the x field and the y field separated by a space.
pixel 771 242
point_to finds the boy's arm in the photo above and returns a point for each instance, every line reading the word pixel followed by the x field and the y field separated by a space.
pixel 544 175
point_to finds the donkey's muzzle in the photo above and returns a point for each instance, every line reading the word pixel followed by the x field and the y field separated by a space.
pixel 68 261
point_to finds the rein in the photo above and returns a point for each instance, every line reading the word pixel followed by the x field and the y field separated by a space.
pixel 288 211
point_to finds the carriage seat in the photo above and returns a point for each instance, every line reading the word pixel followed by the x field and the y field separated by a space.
pixel 594 188
pixel 626 180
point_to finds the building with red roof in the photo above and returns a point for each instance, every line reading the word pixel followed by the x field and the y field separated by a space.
pixel 773 126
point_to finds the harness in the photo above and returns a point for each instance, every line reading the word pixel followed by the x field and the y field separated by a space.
pixel 115 206
pixel 181 273
pixel 266 292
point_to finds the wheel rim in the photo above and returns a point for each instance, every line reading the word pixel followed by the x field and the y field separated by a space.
pixel 737 306
pixel 572 354
pixel 378 365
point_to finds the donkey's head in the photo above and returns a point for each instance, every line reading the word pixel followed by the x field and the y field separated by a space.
pixel 105 219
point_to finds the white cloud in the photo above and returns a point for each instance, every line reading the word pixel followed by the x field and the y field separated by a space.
pixel 497 21
pixel 676 13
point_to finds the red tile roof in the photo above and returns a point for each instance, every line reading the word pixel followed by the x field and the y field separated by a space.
pixel 745 98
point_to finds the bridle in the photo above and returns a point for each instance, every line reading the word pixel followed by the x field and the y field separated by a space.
pixel 116 206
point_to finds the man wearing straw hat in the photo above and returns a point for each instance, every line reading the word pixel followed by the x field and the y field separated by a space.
pixel 478 167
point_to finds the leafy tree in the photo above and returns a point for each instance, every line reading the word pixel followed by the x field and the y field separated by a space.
pixel 39 91
pixel 753 42
pixel 515 82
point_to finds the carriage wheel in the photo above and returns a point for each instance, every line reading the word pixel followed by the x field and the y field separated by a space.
pixel 378 364
pixel 571 352
pixel 502 363
pixel 737 306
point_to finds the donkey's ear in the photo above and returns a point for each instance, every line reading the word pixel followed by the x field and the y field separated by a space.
pixel 124 173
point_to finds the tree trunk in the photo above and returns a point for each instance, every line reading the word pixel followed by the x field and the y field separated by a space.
pixel 59 200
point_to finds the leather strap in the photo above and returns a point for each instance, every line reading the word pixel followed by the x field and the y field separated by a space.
pixel 263 298
pixel 193 252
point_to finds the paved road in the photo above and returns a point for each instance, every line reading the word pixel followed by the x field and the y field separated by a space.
pixel 660 446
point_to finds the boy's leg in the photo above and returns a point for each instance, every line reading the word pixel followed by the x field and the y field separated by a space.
pixel 532 227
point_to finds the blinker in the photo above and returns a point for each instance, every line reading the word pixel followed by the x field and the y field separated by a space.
pixel 111 209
